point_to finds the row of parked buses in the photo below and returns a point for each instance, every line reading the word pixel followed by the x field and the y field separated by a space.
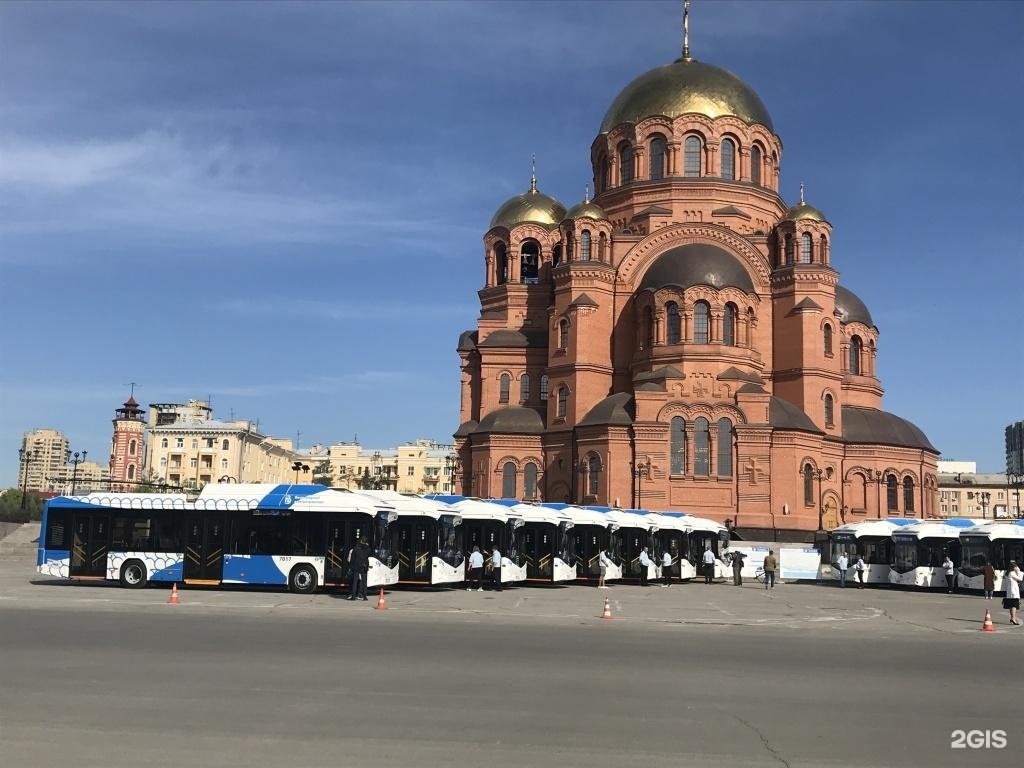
pixel 299 536
pixel 911 552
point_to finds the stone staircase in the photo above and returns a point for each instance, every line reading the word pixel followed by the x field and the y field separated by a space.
pixel 21 542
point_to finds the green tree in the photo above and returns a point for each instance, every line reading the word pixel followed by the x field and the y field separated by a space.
pixel 10 507
pixel 322 474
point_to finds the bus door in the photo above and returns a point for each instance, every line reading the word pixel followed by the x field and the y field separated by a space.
pixel 538 548
pixel 204 549
pixel 412 546
pixel 587 544
pixel 342 534
pixel 89 544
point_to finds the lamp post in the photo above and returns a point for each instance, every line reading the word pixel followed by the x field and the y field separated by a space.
pixel 642 471
pixel 74 460
pixel 983 497
pixel 25 458
pixel 879 479
pixel 1015 480
pixel 451 467
pixel 820 473
pixel 298 466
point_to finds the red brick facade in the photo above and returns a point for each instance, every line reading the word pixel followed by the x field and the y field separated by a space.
pixel 127 449
pixel 684 339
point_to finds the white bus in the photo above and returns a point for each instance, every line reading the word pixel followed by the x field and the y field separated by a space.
pixel 870 539
pixel 672 535
pixel 997 543
pixel 636 530
pixel 545 542
pixel 488 525
pixel 920 549
pixel 702 533
pixel 592 532
pixel 424 539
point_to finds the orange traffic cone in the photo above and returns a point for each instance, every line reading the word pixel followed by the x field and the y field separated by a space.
pixel 381 605
pixel 173 600
pixel 987 625
pixel 607 610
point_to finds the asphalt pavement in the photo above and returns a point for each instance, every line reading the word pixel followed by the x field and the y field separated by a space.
pixel 805 675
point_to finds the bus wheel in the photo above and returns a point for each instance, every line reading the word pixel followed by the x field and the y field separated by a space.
pixel 302 579
pixel 133 574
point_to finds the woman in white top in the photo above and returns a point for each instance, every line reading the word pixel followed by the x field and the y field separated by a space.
pixel 666 568
pixel 1011 602
pixel 602 567
pixel 950 571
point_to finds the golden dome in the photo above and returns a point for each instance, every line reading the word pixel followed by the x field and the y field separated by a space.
pixel 686 86
pixel 588 209
pixel 804 211
pixel 531 207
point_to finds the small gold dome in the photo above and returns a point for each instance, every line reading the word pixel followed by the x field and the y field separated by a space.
pixel 531 207
pixel 588 209
pixel 686 86
pixel 804 211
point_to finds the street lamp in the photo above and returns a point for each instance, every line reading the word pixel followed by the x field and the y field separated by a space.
pixel 25 458
pixel 1015 480
pixel 298 466
pixel 983 497
pixel 74 460
pixel 451 468
pixel 642 471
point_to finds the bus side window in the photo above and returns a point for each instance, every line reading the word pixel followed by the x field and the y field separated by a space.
pixel 56 530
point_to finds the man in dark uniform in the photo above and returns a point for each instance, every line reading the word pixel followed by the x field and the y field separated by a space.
pixel 359 564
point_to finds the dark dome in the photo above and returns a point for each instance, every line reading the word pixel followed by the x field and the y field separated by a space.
pixel 514 420
pixel 782 414
pixel 616 409
pixel 684 87
pixel 697 264
pixel 875 427
pixel 514 339
pixel 465 428
pixel 851 309
pixel 467 341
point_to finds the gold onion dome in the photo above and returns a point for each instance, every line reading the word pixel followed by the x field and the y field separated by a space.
pixel 588 209
pixel 804 211
pixel 683 87
pixel 531 207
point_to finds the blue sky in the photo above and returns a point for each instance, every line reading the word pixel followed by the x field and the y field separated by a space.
pixel 322 176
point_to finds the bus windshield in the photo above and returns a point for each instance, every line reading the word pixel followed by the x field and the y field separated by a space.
pixel 975 552
pixel 448 548
pixel 564 549
pixel 905 554
pixel 844 544
pixel 515 531
pixel 383 551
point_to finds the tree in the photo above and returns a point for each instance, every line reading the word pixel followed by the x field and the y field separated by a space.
pixel 10 507
pixel 322 474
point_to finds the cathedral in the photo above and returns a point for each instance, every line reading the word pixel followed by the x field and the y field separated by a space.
pixel 682 342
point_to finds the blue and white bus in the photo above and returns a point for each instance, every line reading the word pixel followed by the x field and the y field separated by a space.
pixel 870 539
pixel 545 542
pixel 635 530
pixel 297 536
pixel 488 525
pixel 701 534
pixel 920 549
pixel 997 542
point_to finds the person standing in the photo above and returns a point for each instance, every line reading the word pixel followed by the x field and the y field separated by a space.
pixel 602 569
pixel 496 569
pixel 737 568
pixel 359 564
pixel 950 571
pixel 709 564
pixel 666 568
pixel 771 565
pixel 476 570
pixel 842 563
pixel 860 568
pixel 989 574
pixel 1011 602
pixel 645 563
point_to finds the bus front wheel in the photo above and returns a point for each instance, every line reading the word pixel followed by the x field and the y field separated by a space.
pixel 133 574
pixel 302 579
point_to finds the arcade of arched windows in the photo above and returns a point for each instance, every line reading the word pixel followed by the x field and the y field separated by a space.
pixel 528 256
pixel 513 475
pixel 688 146
pixel 523 388
pixel 892 492
pixel 803 247
pixel 858 352
pixel 700 440
pixel 698 317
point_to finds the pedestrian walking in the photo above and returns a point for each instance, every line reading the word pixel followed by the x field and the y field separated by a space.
pixel 989 574
pixel 476 571
pixel 358 565
pixel 737 568
pixel 842 563
pixel 709 564
pixel 1011 602
pixel 950 570
pixel 495 563
pixel 645 563
pixel 666 568
pixel 602 568
pixel 860 569
pixel 771 565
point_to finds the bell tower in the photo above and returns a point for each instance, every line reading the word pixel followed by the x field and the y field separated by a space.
pixel 126 449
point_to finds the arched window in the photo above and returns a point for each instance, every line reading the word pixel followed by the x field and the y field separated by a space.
pixel 570 247
pixel 789 250
pixel 500 263
pixel 755 164
pixel 529 268
pixel 729 325
pixel 530 481
pixel 892 495
pixel 563 334
pixel 163 443
pixel 701 447
pixel 728 150
pixel 724 448
pixel 648 329
pixel 827 333
pixel 701 323
pixel 508 480
pixel 225 445
pixel 524 388
pixel 677 446
pixel 602 173
pixel 657 158
pixel 808 484
pixel 675 326
pixel 544 387
pixel 131 448
pixel 585 245
pixel 593 474
pixel 855 347
pixel 691 156
pixel 563 401
pixel 860 492
pixel 625 163
pixel 823 250
pixel 602 245
pixel 908 494
pixel 829 411
pixel 805 248
pixel 131 471
pixel 556 255
pixel 505 383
